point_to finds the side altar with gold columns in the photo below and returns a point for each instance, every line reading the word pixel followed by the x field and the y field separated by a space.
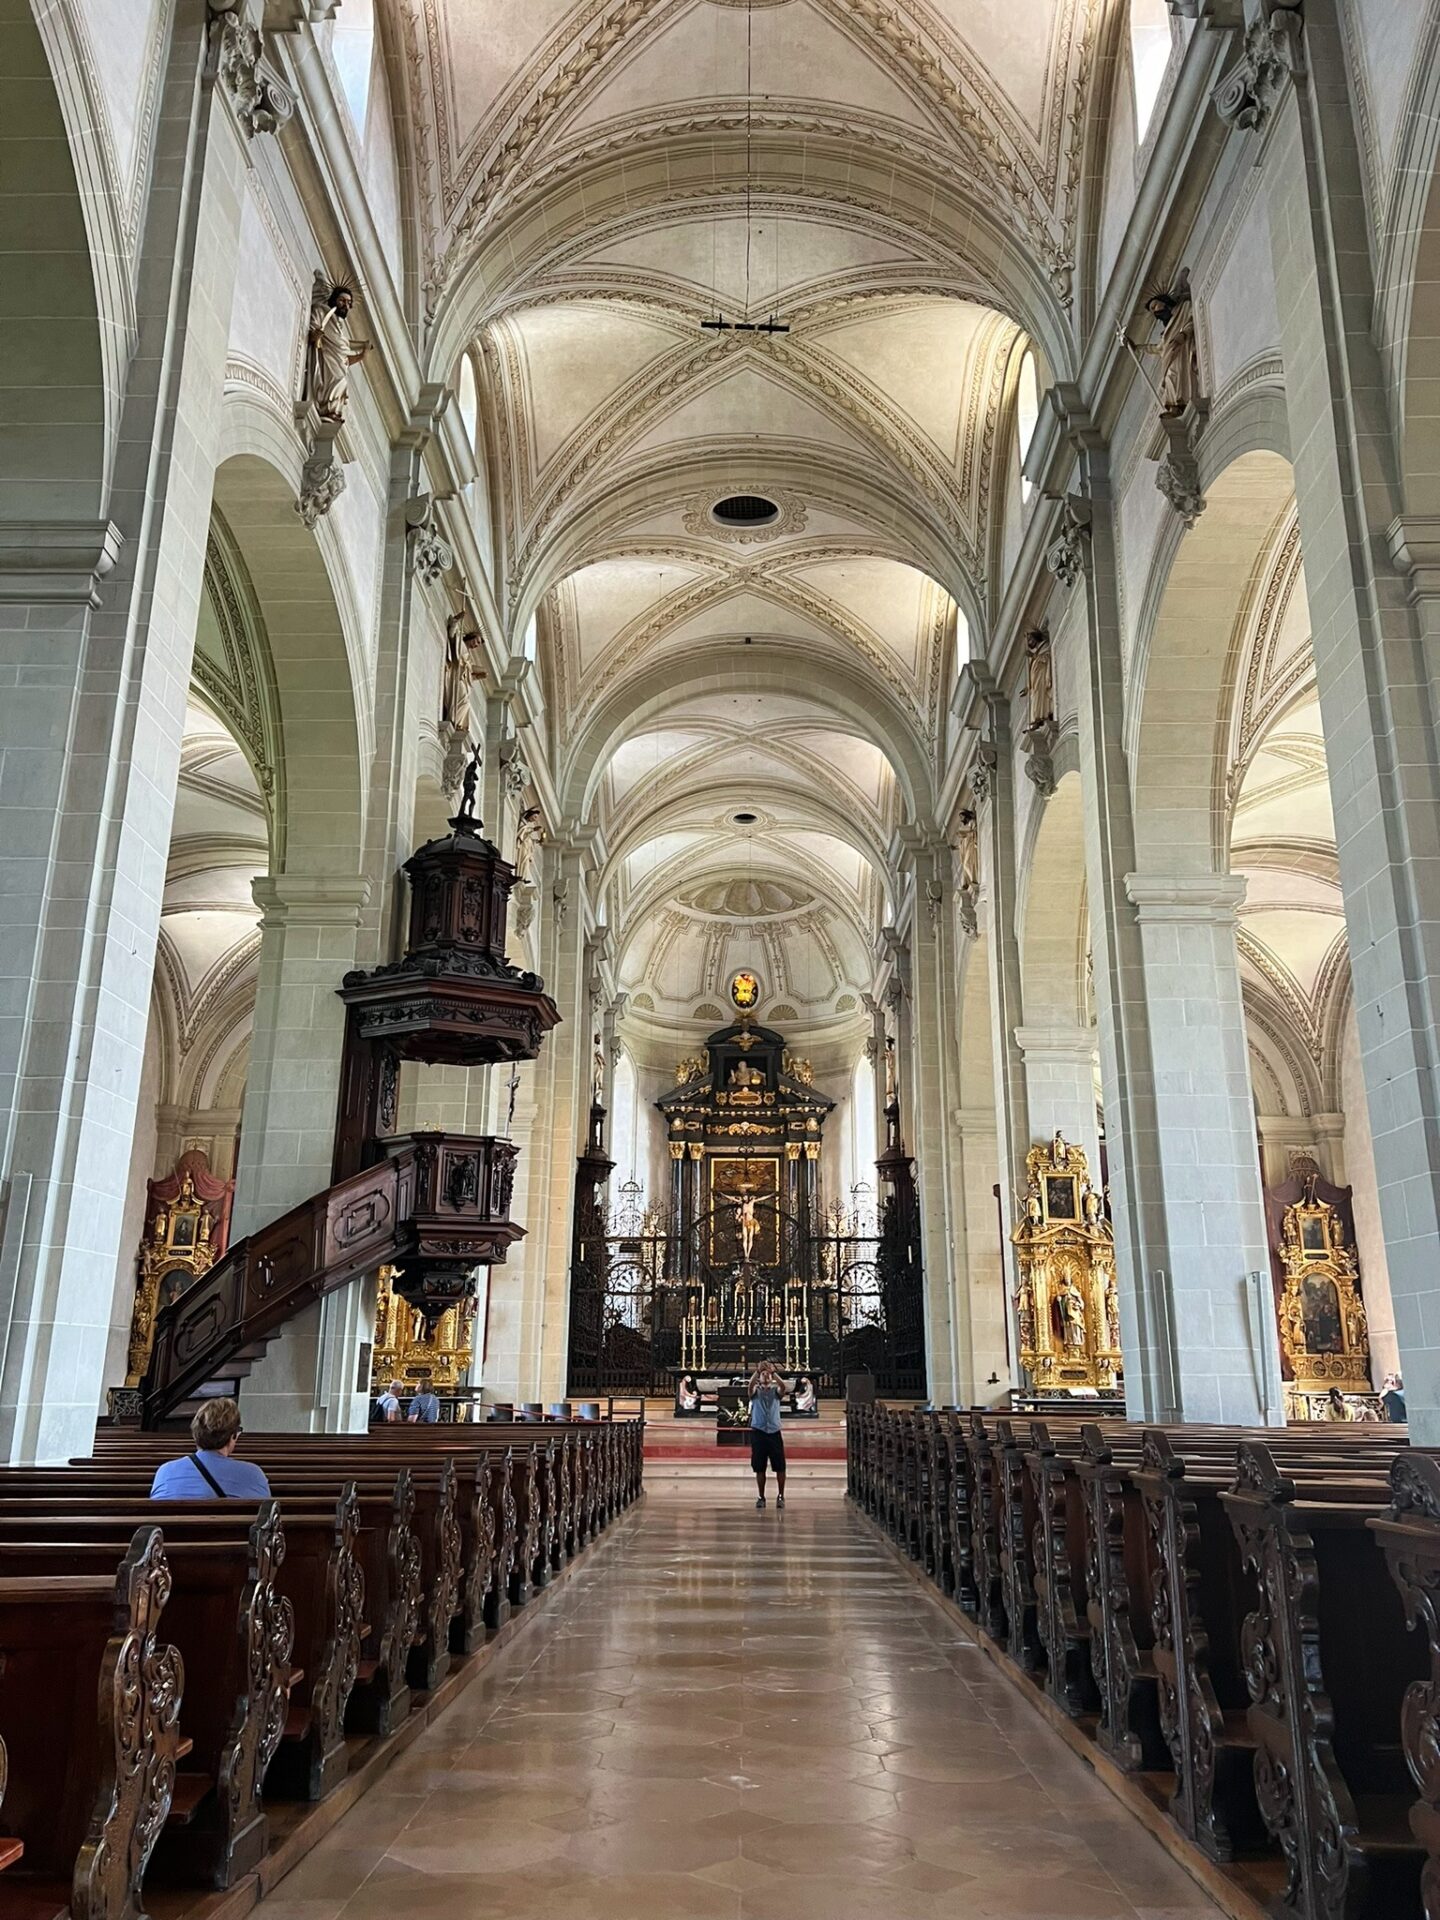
pixel 1066 1310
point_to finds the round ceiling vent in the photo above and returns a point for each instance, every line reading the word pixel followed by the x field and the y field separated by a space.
pixel 744 819
pixel 745 510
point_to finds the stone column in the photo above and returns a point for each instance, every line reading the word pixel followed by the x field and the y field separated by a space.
pixel 1192 1349
pixel 530 1295
pixel 1205 1145
pixel 1372 586
pixel 99 592
pixel 993 786
pixel 1060 1086
pixel 308 934
pixel 932 971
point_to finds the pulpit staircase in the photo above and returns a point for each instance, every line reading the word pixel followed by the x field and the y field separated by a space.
pixel 433 1205
pixel 437 1200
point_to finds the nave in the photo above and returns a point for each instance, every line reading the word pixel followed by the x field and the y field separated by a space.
pixel 733 1715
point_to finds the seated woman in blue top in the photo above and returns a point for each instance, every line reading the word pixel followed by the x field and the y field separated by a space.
pixel 211 1472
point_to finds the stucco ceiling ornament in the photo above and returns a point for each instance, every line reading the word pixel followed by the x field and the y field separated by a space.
pixel 262 101
pixel 431 553
pixel 1274 52
pixel 793 516
pixel 322 479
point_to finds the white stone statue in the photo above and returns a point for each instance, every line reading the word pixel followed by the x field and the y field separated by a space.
pixel 1039 679
pixel 330 351
pixel 967 847
pixel 1176 349
pixel 461 640
pixel 529 836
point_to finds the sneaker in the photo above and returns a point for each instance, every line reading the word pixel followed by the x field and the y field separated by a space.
pixel 760 1503
pixel 779 1502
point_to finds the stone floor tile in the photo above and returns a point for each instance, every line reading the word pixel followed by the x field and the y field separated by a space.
pixel 720 1722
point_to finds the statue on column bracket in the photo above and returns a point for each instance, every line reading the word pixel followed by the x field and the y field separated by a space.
pixel 967 849
pixel 1183 408
pixel 529 838
pixel 456 714
pixel 330 352
pixel 1067 555
pixel 1041 731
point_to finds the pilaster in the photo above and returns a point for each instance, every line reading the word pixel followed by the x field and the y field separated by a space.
pixel 1371 581
pixel 308 939
pixel 931 972
pixel 1226 1358
pixel 97 627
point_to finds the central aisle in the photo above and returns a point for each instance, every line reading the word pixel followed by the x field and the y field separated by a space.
pixel 740 1716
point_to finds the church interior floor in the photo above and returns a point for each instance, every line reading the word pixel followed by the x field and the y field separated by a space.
pixel 737 1714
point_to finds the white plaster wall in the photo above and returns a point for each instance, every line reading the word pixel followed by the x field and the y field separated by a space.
pixel 358 519
pixel 1386 34
pixel 1369 1236
pixel 1236 287
pixel 1119 172
pixel 268 317
pixel 125 48
pixel 382 172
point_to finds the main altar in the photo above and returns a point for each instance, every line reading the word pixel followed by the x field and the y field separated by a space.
pixel 740 1258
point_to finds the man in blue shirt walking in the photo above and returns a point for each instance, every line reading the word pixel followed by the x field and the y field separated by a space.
pixel 767 1444
pixel 211 1472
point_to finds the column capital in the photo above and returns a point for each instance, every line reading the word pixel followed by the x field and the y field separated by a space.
pixel 1414 543
pixel 1186 896
pixel 310 899
pixel 1057 1043
pixel 56 561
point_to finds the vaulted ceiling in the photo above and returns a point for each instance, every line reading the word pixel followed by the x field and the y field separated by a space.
pixel 893 183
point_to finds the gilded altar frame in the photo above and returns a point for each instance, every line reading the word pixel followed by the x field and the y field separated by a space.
pixel 1324 1332
pixel 1066 1309
pixel 179 1246
pixel 402 1350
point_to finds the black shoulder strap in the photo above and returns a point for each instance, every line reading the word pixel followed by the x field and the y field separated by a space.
pixel 207 1475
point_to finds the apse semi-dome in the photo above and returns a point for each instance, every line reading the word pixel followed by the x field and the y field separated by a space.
pixel 746 897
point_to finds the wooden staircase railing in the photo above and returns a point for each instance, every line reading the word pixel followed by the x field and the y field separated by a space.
pixel 437 1201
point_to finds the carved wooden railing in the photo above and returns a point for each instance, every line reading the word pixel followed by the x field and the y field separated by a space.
pixel 436 1202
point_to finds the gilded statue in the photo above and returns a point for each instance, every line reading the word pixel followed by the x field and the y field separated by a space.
pixel 1067 1314
pixel 330 350
pixel 1070 1304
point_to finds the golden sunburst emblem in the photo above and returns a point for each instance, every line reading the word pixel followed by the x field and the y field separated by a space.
pixel 744 991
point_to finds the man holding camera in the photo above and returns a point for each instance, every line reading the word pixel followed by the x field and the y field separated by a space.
pixel 767 1444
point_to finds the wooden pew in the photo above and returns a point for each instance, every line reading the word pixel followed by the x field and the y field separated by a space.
pixel 90 1703
pixel 1409 1536
pixel 1328 1665
pixel 234 1632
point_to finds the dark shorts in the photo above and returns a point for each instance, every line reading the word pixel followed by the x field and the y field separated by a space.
pixel 766 1450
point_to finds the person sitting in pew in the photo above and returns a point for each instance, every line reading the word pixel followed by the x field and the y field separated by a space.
pixel 1392 1398
pixel 425 1408
pixel 211 1471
